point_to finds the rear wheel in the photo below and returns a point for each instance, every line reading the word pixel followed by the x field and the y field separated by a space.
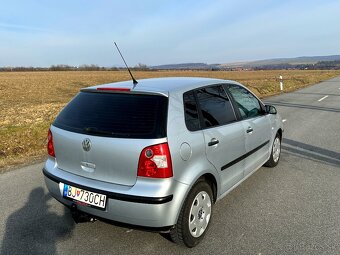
pixel 275 153
pixel 194 217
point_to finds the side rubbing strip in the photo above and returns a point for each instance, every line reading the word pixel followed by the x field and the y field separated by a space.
pixel 244 156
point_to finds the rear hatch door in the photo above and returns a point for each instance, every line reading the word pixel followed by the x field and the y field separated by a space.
pixel 100 135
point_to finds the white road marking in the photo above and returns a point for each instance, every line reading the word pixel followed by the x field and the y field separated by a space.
pixel 322 98
pixel 284 120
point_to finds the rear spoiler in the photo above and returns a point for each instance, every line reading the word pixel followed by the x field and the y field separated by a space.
pixel 122 91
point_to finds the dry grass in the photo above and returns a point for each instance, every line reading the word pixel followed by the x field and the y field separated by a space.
pixel 29 101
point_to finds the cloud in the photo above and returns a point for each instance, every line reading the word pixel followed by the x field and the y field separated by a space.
pixel 20 28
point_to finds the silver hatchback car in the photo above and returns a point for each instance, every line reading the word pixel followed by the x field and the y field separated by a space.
pixel 158 155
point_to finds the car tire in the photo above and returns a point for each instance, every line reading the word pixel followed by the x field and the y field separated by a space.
pixel 195 216
pixel 275 152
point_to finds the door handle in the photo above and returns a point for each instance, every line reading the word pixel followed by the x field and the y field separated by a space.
pixel 213 142
pixel 250 129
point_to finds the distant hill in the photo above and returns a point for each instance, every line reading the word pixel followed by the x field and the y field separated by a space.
pixel 185 66
pixel 283 63
pixel 300 63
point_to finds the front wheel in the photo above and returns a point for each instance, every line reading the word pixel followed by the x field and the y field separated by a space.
pixel 194 217
pixel 275 153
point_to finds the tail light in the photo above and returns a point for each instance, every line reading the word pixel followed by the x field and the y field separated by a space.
pixel 50 147
pixel 155 162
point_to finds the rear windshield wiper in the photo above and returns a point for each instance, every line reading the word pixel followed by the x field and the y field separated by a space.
pixel 96 131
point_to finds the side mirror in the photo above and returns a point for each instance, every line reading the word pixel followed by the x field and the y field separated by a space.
pixel 270 109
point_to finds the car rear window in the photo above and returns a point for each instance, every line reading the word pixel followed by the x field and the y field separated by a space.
pixel 115 115
pixel 190 111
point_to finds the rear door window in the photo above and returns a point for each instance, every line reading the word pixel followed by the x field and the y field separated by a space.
pixel 115 115
pixel 215 106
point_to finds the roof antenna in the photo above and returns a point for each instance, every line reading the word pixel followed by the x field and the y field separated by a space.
pixel 133 79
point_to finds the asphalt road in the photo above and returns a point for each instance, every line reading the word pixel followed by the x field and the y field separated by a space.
pixel 291 209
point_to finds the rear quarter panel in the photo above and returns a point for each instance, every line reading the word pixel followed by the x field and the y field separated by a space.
pixel 187 148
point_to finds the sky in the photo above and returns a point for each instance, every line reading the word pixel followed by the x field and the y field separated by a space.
pixel 76 32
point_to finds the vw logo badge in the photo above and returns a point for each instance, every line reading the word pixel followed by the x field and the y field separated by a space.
pixel 86 144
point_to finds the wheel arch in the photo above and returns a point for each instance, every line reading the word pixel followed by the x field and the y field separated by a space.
pixel 280 132
pixel 207 176
pixel 211 180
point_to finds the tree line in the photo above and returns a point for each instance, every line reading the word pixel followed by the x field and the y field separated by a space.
pixel 322 65
pixel 140 66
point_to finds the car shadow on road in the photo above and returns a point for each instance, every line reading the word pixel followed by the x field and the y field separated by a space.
pixel 311 152
pixel 33 229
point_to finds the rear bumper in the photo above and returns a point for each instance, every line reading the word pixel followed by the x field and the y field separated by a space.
pixel 112 195
pixel 125 205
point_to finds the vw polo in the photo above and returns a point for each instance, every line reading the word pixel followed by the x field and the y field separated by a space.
pixel 160 154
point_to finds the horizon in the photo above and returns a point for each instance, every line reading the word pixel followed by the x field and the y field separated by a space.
pixel 42 34
pixel 122 66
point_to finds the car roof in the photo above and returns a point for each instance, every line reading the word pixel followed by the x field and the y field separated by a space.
pixel 164 85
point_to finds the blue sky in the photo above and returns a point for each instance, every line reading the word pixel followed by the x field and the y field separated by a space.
pixel 75 32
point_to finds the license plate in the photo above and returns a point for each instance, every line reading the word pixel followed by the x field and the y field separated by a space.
pixel 84 196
